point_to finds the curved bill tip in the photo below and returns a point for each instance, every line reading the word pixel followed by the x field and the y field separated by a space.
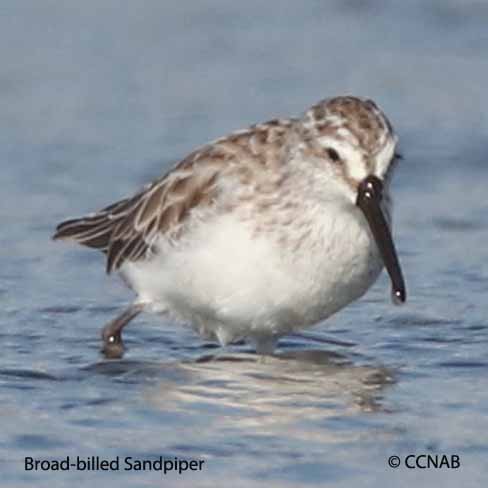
pixel 370 193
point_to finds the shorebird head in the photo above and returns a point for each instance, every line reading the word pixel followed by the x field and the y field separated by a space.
pixel 352 136
pixel 351 145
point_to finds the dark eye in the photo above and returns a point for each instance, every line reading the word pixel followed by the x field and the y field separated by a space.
pixel 333 154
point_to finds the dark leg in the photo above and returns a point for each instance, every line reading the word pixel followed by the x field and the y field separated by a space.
pixel 113 345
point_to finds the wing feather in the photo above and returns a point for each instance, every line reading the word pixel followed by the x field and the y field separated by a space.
pixel 127 229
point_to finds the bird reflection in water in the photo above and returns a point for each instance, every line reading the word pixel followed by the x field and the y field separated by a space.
pixel 278 392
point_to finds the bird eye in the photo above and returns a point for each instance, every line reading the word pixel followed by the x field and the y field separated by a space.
pixel 333 154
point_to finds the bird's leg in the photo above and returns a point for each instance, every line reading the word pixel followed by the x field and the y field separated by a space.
pixel 113 345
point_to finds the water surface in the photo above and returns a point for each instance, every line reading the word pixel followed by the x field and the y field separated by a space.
pixel 98 98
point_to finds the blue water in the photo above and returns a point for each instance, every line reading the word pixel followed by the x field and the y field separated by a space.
pixel 97 98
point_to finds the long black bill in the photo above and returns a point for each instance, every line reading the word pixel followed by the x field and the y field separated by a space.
pixel 370 193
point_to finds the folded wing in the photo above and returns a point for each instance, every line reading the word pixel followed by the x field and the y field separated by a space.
pixel 127 229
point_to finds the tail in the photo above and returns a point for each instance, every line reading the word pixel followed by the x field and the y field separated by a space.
pixel 91 231
pixel 94 230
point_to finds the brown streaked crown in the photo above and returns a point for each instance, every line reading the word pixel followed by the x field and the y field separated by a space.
pixel 360 118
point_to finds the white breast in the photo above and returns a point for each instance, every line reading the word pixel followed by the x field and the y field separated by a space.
pixel 231 282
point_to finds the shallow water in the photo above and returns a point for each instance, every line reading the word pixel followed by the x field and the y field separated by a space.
pixel 97 99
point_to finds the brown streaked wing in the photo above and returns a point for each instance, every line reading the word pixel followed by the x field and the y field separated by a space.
pixel 126 230
pixel 162 210
pixel 94 230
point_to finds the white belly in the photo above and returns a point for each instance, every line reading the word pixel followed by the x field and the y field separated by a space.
pixel 230 283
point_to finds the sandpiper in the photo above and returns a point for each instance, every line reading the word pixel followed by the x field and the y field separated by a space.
pixel 261 233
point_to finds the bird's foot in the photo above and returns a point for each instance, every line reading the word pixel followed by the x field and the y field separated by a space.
pixel 113 345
